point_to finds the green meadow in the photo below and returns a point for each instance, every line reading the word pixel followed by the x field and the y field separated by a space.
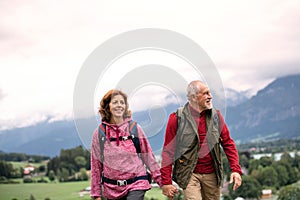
pixel 56 191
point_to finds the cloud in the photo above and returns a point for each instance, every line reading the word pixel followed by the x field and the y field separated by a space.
pixel 1 95
pixel 264 45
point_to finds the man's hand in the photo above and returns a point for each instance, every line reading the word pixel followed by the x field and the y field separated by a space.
pixel 169 191
pixel 237 179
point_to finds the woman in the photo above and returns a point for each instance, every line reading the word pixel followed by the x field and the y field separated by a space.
pixel 117 171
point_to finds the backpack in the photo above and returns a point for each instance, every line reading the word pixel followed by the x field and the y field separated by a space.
pixel 133 131
pixel 133 136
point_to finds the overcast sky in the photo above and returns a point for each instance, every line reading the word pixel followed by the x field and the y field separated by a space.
pixel 43 45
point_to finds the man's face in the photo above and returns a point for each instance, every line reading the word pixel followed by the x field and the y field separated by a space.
pixel 203 98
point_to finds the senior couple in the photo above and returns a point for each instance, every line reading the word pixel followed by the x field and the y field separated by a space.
pixel 122 158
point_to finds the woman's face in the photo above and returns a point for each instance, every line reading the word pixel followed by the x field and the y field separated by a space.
pixel 117 106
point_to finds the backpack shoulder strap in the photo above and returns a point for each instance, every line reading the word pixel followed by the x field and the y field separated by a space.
pixel 102 139
pixel 136 141
pixel 179 114
pixel 216 119
pixel 134 136
pixel 180 123
pixel 214 123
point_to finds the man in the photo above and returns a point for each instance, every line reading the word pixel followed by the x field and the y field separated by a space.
pixel 192 143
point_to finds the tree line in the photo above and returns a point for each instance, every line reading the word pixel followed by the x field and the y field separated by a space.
pixel 265 173
pixel 19 157
pixel 274 146
pixel 70 165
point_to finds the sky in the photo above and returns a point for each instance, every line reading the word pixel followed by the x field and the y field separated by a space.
pixel 43 45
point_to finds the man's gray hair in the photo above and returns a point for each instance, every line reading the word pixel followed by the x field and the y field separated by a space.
pixel 193 88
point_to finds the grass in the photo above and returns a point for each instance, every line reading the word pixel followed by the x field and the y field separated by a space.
pixel 52 190
pixel 41 191
pixel 155 193
pixel 56 191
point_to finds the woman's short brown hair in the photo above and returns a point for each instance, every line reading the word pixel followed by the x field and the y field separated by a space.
pixel 104 110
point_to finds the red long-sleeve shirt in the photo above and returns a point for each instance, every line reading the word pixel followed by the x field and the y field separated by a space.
pixel 204 164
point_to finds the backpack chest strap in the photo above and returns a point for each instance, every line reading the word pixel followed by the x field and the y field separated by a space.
pixel 122 138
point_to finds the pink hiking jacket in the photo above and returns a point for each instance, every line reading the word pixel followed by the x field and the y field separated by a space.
pixel 121 162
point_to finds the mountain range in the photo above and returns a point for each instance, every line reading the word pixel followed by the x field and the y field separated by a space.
pixel 273 113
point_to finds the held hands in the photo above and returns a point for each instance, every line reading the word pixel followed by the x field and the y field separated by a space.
pixel 169 191
pixel 237 179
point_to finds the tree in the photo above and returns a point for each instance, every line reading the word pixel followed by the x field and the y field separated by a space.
pixel 226 167
pixel 283 176
pixel 63 174
pixel 42 168
pixel 16 173
pixel 244 160
pixel 296 162
pixel 53 164
pixel 268 177
pixel 83 175
pixel 51 175
pixel 253 165
pixel 6 169
pixel 70 159
pixel 80 161
pixel 293 172
pixel 289 193
pixel 250 188
pixel 69 166
pixel 256 173
pixel 286 157
pixel 266 161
